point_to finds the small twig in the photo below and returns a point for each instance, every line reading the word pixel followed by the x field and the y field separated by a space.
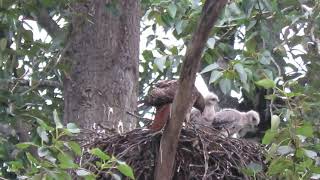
pixel 138 117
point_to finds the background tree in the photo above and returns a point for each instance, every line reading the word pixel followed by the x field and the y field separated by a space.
pixel 101 85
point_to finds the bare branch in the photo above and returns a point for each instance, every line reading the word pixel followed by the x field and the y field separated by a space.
pixel 45 21
pixel 23 82
pixel 181 104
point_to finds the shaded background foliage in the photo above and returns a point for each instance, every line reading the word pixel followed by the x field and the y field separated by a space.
pixel 265 50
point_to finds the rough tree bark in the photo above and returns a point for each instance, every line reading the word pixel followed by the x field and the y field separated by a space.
pixel 169 141
pixel 103 53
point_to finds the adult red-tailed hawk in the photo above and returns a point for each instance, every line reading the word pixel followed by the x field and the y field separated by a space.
pixel 162 95
pixel 231 121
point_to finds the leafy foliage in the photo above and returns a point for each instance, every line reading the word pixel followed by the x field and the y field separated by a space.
pixel 50 157
pixel 34 142
pixel 107 163
pixel 292 147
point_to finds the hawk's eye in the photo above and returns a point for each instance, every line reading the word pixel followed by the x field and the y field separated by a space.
pixel 254 120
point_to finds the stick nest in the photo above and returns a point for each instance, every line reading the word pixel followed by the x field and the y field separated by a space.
pixel 203 153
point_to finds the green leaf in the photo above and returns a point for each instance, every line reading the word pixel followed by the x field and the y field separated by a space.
pixel 251 24
pixel 97 152
pixel 167 19
pixel 172 9
pixel 279 165
pixel 43 134
pixel 42 151
pixel 208 58
pixel 275 121
pixel 268 136
pixel 174 50
pixel 31 158
pixel 266 83
pixel 125 169
pixel 180 26
pixel 265 57
pixel 15 166
pixel 66 162
pixel 316 170
pixel 57 119
pixel 299 153
pixel 150 38
pixel 75 147
pixel 27 35
pixel 48 164
pixel 40 122
pixel 241 71
pixel 48 3
pixel 57 175
pixel 284 150
pixel 3 44
pixel 215 75
pixel 211 42
pixel 268 73
pixel 73 128
pixel 83 172
pixel 160 62
pixel 147 55
pixel 90 177
pixel 225 86
pixel 305 130
pixel 160 45
pixel 51 158
pixel 247 171
pixel 310 154
pixel 25 145
pixel 210 68
pixel 44 125
pixel 255 167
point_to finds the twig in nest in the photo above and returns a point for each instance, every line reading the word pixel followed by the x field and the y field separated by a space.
pixel 214 156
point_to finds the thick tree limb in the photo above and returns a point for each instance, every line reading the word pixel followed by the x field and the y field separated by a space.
pixel 181 104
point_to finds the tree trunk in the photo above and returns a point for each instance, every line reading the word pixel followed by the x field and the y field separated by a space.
pixel 181 105
pixel 103 54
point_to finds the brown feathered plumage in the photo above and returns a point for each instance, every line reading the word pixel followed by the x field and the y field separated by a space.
pixel 162 95
pixel 164 92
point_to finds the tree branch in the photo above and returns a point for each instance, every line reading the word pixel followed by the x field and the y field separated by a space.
pixel 23 82
pixel 181 104
pixel 46 22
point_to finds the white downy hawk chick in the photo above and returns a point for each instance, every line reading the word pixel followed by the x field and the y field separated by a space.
pixel 231 121
pixel 211 100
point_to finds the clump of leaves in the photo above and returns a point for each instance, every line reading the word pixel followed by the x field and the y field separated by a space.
pixel 56 156
pixel 292 144
pixel 52 157
pixel 107 164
